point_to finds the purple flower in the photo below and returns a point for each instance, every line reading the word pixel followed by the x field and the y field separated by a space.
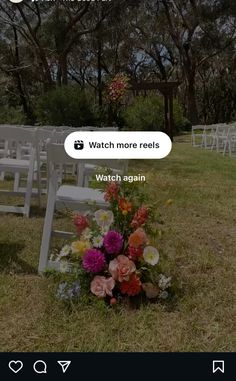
pixel 113 242
pixel 94 261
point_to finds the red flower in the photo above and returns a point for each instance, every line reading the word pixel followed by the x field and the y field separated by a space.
pixel 111 191
pixel 140 217
pixel 125 206
pixel 81 222
pixel 135 253
pixel 131 287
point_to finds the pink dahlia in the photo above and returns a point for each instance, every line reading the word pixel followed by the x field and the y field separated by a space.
pixel 94 261
pixel 113 242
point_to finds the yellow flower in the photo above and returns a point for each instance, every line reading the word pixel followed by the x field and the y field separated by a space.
pixel 80 247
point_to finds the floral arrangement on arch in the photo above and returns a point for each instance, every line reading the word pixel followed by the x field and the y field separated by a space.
pixel 118 87
pixel 113 251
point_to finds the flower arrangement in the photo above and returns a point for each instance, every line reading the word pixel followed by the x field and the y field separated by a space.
pixel 117 88
pixel 113 251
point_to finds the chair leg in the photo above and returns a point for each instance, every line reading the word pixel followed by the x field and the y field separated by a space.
pixel 16 181
pixel 225 147
pixel 48 224
pixel 29 186
pixel 230 149
pixel 17 174
pixel 28 193
pixel 38 177
pixel 80 175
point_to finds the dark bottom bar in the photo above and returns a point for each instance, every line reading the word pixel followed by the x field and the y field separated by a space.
pixel 133 366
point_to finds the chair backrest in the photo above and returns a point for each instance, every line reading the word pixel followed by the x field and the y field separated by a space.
pixel 43 135
pixel 93 128
pixel 17 134
pixel 198 127
pixel 232 129
pixel 56 155
pixel 59 137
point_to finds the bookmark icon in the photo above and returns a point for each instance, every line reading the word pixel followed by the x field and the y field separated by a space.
pixel 64 365
pixel 218 365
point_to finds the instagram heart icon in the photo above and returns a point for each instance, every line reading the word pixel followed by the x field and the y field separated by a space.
pixel 15 366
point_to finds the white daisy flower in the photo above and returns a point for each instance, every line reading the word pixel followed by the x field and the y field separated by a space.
pixel 98 241
pixel 65 251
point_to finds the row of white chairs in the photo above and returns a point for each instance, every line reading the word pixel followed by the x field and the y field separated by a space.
pixel 220 137
pixel 23 152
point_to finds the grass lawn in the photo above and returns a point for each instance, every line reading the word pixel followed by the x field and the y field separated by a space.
pixel 199 248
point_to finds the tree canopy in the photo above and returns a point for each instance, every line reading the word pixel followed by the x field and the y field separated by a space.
pixel 46 45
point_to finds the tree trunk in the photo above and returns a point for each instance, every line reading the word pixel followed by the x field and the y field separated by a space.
pixel 27 109
pixel 192 111
pixel 64 68
pixel 59 75
pixel 99 73
pixel 47 77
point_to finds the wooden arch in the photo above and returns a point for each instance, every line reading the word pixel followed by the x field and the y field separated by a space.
pixel 168 90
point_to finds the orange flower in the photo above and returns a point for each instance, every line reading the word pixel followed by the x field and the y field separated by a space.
pixel 140 217
pixel 111 191
pixel 137 238
pixel 131 287
pixel 125 206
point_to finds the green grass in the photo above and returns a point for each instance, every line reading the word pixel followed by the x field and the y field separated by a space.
pixel 198 247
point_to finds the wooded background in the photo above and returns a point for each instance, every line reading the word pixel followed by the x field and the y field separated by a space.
pixel 48 46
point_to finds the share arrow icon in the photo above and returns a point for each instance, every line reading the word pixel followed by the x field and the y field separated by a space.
pixel 64 365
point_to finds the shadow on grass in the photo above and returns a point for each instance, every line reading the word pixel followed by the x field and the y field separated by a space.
pixel 9 260
pixel 36 211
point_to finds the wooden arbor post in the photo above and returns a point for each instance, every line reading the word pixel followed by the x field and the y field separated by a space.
pixel 168 90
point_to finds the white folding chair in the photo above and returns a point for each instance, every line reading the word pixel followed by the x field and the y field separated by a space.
pixel 85 171
pixel 17 136
pixel 219 136
pixel 3 153
pixel 197 135
pixel 74 197
pixel 208 135
pixel 42 136
pixel 230 140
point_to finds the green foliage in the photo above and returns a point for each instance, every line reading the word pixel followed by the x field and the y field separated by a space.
pixel 11 115
pixel 147 114
pixel 68 105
